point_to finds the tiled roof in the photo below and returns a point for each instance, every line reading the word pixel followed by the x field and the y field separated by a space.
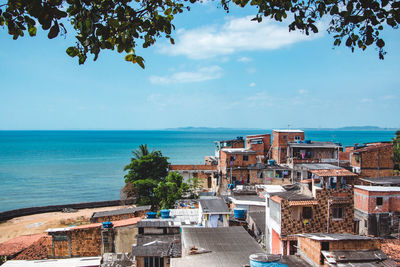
pixel 18 244
pixel 338 172
pixel 372 147
pixel 193 167
pixel 276 199
pixel 303 203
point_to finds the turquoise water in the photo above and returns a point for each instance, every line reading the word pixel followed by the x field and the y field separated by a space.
pixel 56 167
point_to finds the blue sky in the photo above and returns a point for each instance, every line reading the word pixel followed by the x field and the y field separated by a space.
pixel 223 71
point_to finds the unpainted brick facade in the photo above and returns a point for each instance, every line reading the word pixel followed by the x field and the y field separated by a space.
pixel 279 144
pixel 378 212
pixel 261 149
pixel 373 161
pixel 291 225
pixel 312 248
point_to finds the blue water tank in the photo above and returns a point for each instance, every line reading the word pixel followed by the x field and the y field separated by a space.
pixel 271 162
pixel 151 215
pixel 299 142
pixel 239 213
pixel 165 214
pixel 307 141
pixel 107 225
pixel 231 186
pixel 266 260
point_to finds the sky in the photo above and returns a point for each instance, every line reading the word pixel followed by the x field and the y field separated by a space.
pixel 223 71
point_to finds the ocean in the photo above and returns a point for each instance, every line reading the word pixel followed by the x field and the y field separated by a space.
pixel 57 167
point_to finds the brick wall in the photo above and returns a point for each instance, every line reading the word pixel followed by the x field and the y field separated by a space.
pixel 375 161
pixel 311 249
pixel 366 201
pixel 86 242
pixel 291 225
pixel 113 218
pixel 260 149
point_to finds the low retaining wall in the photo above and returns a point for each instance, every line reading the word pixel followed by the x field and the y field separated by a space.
pixel 7 215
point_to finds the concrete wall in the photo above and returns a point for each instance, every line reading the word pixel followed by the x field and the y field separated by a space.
pixel 124 238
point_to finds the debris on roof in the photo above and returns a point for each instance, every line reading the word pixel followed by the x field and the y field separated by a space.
pixel 117 260
pixel 158 246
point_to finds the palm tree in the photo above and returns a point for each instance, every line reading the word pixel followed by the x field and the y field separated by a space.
pixel 141 152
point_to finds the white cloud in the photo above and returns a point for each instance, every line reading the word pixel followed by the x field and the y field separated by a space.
pixel 200 75
pixel 244 59
pixel 252 84
pixel 388 97
pixel 366 100
pixel 303 91
pixel 240 34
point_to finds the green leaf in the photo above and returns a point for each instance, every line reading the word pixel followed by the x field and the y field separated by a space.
pixel 53 31
pixel 129 57
pixel 32 31
pixel 72 51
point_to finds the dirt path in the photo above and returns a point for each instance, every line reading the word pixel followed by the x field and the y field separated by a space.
pixel 38 223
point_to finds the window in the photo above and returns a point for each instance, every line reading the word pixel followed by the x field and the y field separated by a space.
pixel 379 201
pixel 284 137
pixel 297 138
pixel 307 213
pixel 337 213
pixel 153 262
pixel 245 158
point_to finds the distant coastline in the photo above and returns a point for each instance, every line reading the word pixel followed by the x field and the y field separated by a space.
pixel 346 128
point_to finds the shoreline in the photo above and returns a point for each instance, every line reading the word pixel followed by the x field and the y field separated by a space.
pixel 40 222
pixel 11 214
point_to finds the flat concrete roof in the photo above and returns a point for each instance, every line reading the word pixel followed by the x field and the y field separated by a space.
pixel 317 166
pixel 378 188
pixel 314 145
pixel 334 237
pixel 383 180
pixel 238 150
pixel 288 131
pixel 72 262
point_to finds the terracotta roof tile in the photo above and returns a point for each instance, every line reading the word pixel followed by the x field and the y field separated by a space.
pixel 276 199
pixel 303 203
pixel 18 244
pixel 340 172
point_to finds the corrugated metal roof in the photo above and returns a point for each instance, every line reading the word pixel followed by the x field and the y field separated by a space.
pixel 226 246
pixel 213 206
pixel 383 180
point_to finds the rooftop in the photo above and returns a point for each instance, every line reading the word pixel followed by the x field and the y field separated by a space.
pixel 334 257
pixel 72 262
pixel 291 196
pixel 314 144
pixel 334 237
pixel 120 211
pixel 378 188
pixel 390 180
pixel 371 146
pixel 120 223
pixel 16 245
pixel 221 246
pixel 158 246
pixel 117 260
pixel 259 218
pixel 253 198
pixel 191 167
pixel 158 223
pixel 334 172
pixel 317 166
pixel 213 206
pixel 288 131
pixel 238 150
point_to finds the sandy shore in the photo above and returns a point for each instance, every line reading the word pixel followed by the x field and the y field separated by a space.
pixel 38 223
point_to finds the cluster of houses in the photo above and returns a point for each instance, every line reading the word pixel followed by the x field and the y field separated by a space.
pixel 284 200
